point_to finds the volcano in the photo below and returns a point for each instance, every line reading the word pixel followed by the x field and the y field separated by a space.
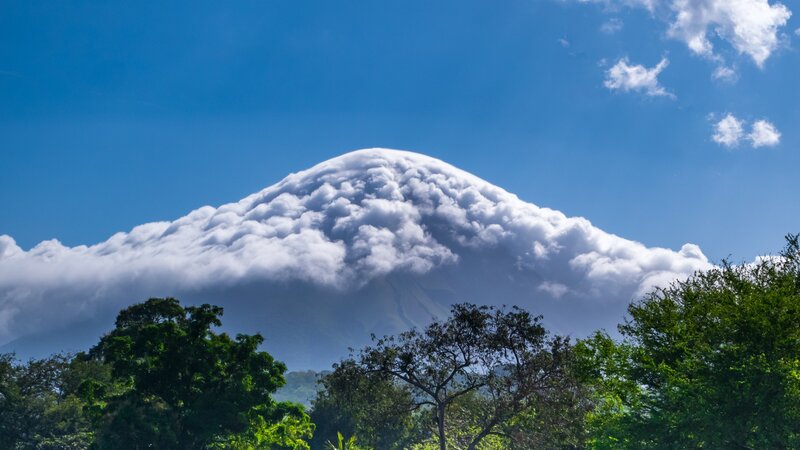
pixel 371 242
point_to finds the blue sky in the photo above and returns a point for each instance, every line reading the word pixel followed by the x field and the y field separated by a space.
pixel 115 114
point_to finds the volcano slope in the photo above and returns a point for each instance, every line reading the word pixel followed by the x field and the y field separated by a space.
pixel 373 241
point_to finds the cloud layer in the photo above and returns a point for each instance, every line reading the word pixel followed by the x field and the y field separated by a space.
pixel 338 225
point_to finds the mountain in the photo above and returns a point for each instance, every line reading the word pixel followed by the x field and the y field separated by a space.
pixel 373 241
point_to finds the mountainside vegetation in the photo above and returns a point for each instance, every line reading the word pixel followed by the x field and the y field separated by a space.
pixel 710 362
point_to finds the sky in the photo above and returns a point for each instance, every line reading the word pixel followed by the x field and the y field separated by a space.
pixel 662 121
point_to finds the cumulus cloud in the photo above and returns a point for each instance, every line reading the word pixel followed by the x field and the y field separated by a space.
pixel 750 27
pixel 730 132
pixel 338 225
pixel 626 77
pixel 764 134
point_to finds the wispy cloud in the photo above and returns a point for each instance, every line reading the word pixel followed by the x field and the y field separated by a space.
pixel 614 4
pixel 725 74
pixel 611 25
pixel 627 77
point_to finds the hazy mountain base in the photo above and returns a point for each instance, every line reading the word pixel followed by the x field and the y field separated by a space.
pixel 310 327
pixel 301 387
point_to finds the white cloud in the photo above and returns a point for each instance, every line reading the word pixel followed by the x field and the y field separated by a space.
pixel 564 42
pixel 725 74
pixel 749 26
pixel 611 25
pixel 797 31
pixel 728 131
pixel 337 226
pixel 626 77
pixel 764 134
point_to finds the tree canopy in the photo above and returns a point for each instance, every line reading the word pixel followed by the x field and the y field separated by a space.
pixel 189 386
pixel 504 361
pixel 710 362
pixel 162 378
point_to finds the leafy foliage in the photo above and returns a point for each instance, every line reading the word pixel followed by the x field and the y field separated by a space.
pixel 504 359
pixel 289 428
pixel 188 386
pixel 369 405
pixel 161 379
pixel 40 406
pixel 345 444
pixel 712 362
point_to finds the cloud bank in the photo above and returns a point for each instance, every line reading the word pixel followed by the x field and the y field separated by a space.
pixel 338 225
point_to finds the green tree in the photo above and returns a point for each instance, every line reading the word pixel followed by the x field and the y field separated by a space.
pixel 504 358
pixel 39 404
pixel 711 362
pixel 186 385
pixel 283 426
pixel 369 405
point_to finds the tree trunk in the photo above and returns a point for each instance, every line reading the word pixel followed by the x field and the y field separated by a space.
pixel 440 423
pixel 485 432
pixel 477 440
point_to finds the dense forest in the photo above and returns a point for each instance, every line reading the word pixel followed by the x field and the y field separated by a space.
pixel 710 362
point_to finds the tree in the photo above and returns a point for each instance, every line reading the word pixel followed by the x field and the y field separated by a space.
pixel 710 362
pixel 186 386
pixel 369 405
pixel 39 404
pixel 284 426
pixel 505 358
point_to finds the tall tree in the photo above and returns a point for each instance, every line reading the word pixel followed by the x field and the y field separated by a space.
pixel 503 356
pixel 188 386
pixel 711 362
